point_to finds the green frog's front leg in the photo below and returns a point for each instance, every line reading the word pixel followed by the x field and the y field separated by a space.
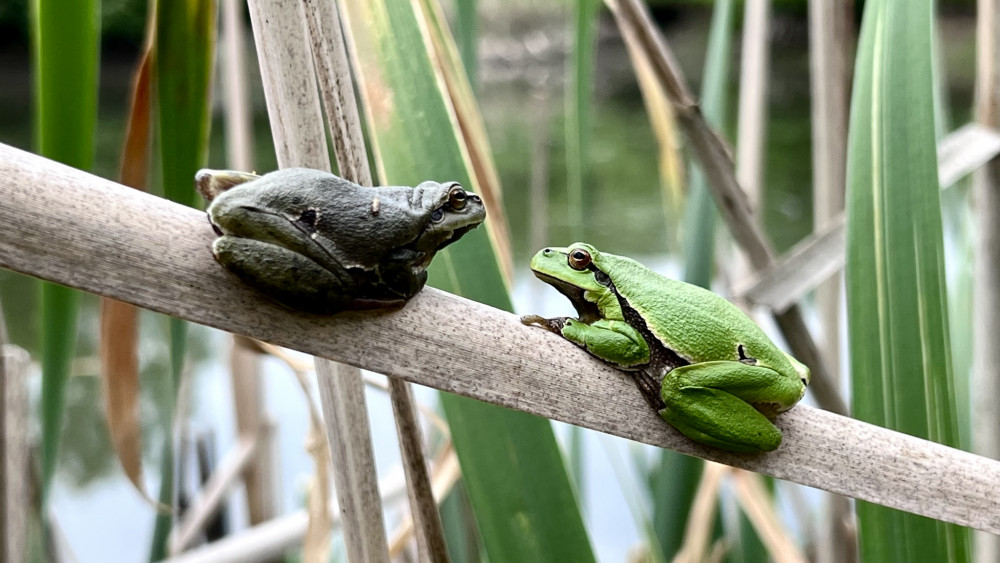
pixel 613 341
pixel 728 404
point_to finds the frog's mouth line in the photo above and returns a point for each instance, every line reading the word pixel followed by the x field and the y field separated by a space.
pixel 459 233
pixel 587 311
pixel 452 236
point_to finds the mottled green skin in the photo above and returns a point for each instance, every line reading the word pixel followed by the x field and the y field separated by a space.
pixel 318 243
pixel 691 370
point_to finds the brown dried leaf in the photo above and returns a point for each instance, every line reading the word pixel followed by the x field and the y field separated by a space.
pixel 119 321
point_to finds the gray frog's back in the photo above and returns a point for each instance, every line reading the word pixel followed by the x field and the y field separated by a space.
pixel 358 225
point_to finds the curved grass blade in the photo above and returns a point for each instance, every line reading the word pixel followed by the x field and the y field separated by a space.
pixel 514 473
pixel 65 36
pixel 661 115
pixel 897 302
pixel 473 131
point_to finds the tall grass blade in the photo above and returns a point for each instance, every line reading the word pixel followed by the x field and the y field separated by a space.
pixel 579 96
pixel 184 52
pixel 700 215
pixel 897 302
pixel 65 47
pixel 673 485
pixel 467 16
pixel 459 523
pixel 631 481
pixel 513 470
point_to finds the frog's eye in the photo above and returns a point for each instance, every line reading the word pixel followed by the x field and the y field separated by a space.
pixel 457 198
pixel 437 215
pixel 579 259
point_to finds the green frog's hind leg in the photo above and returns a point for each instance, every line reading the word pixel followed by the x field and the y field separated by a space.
pixel 720 404
pixel 286 276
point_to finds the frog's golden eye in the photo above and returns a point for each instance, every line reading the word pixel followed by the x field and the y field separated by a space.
pixel 457 198
pixel 578 259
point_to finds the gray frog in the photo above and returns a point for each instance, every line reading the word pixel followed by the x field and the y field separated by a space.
pixel 321 244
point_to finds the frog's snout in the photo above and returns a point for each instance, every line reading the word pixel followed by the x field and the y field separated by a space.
pixel 805 376
pixel 540 258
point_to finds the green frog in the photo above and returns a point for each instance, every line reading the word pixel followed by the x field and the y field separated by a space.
pixel 699 361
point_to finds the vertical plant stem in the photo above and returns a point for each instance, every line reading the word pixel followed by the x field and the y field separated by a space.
pixel 353 462
pixel 286 69
pixel 337 89
pixel 252 421
pixel 15 489
pixel 431 544
pixel 829 46
pixel 752 113
pixel 290 84
pixel 261 483
pixel 59 318
pixel 238 110
pixel 986 293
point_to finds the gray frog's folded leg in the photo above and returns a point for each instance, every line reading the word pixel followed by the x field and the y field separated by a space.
pixel 286 276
